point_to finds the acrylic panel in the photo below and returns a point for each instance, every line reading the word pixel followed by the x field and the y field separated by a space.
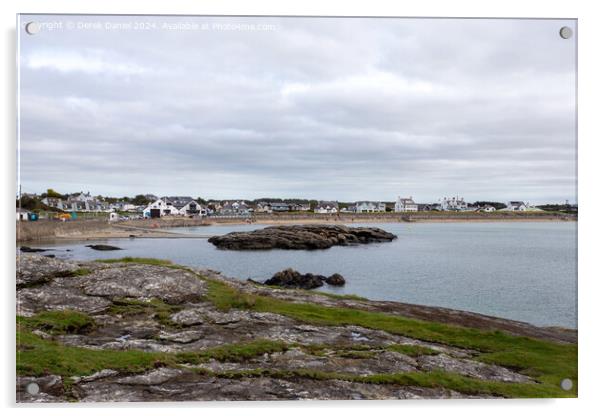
pixel 286 208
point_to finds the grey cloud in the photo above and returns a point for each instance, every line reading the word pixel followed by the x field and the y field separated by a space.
pixel 342 109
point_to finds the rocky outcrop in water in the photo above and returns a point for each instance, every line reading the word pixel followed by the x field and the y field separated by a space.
pixel 335 280
pixel 103 247
pixel 301 237
pixel 26 249
pixel 292 279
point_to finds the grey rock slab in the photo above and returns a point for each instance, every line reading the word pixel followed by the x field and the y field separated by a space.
pixel 37 269
pixel 143 281
pixel 52 297
pixel 189 317
pixel 183 337
pixel 158 376
pixel 470 368
pixel 96 376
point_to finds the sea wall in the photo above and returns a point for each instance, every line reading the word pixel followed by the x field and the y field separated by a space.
pixel 45 229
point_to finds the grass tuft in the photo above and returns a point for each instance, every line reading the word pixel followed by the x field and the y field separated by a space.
pixel 58 322
pixel 138 260
pixel 412 350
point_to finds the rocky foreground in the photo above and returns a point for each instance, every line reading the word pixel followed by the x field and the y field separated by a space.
pixel 146 330
pixel 301 237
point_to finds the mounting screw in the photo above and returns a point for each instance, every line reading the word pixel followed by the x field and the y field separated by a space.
pixel 32 28
pixel 566 32
pixel 566 384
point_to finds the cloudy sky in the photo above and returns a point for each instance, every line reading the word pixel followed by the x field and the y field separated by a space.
pixel 346 109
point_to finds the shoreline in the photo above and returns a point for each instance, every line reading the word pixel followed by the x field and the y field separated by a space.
pixel 87 230
pixel 429 312
pixel 434 313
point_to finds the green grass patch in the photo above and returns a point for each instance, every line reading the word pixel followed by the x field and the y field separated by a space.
pixel 37 357
pixel 343 297
pixel 233 352
pixel 225 297
pixel 412 350
pixel 138 260
pixel 73 273
pixel 58 322
pixel 434 379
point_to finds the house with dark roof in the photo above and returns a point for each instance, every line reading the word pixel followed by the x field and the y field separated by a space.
pixel 234 208
pixel 57 203
pixel 185 205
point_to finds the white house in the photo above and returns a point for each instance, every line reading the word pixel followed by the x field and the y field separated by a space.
pixel 82 197
pixel 264 207
pixel 174 205
pixel 516 206
pixel 327 207
pixel 454 203
pixel 22 214
pixel 369 206
pixel 123 206
pixel 300 207
pixel 159 208
pixel 193 208
pixel 405 205
pixel 185 205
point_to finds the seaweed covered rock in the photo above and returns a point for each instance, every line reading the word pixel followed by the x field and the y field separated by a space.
pixel 301 237
pixel 290 278
pixel 335 280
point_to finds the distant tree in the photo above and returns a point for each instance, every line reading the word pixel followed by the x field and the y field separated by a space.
pixel 559 208
pixel 201 201
pixel 51 193
pixel 29 203
pixel 140 200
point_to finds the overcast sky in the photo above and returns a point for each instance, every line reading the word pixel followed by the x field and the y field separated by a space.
pixel 346 109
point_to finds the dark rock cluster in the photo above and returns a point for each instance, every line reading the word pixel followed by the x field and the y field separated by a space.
pixel 301 237
pixel 290 278
pixel 103 247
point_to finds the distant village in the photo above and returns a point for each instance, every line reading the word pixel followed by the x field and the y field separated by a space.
pixel 54 205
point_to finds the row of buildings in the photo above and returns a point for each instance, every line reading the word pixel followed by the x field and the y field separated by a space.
pixel 188 206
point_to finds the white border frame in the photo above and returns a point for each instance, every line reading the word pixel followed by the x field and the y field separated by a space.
pixel 590 32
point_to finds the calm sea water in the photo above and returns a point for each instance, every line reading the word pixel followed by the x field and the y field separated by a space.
pixel 523 271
